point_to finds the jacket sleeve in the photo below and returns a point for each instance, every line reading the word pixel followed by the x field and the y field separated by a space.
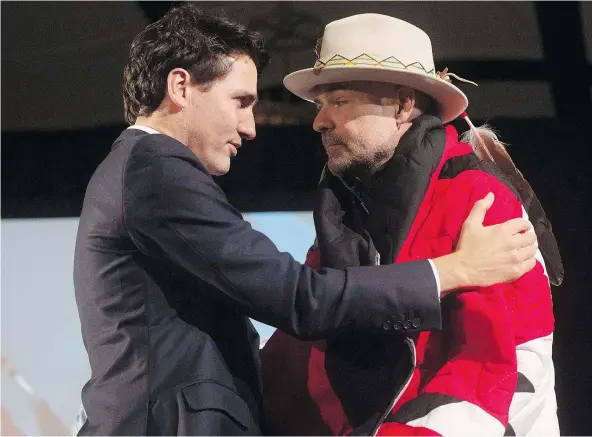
pixel 174 211
pixel 498 373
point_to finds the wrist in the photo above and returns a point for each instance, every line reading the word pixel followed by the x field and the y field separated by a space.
pixel 453 272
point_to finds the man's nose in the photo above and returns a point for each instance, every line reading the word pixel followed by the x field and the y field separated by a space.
pixel 246 127
pixel 322 122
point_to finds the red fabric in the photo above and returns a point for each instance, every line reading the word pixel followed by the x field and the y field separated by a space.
pixel 473 359
pixel 289 407
pixel 313 259
pixel 400 429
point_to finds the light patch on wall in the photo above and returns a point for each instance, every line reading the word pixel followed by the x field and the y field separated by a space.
pixel 44 363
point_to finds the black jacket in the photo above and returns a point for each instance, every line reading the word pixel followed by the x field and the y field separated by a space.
pixel 167 274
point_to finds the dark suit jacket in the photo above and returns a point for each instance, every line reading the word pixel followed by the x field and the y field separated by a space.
pixel 167 274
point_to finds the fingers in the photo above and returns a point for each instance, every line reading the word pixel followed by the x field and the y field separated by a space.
pixel 520 268
pixel 526 266
pixel 519 241
pixel 510 235
pixel 477 214
pixel 514 226
pixel 526 253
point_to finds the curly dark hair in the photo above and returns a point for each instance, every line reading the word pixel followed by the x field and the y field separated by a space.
pixel 185 37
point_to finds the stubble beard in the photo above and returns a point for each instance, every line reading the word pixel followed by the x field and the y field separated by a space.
pixel 362 165
pixel 366 166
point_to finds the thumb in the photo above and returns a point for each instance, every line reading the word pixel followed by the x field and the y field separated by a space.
pixel 477 214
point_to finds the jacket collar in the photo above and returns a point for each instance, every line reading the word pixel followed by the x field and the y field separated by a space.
pixel 127 134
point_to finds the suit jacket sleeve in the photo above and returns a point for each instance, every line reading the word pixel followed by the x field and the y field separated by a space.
pixel 174 211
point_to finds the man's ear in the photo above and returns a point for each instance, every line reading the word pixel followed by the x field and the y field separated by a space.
pixel 406 104
pixel 178 82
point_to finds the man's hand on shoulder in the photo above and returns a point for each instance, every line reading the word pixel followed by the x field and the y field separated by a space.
pixel 487 255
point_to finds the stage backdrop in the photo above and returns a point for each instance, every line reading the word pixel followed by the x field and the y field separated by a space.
pixel 44 364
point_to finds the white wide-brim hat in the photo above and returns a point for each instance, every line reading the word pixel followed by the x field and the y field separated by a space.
pixel 375 47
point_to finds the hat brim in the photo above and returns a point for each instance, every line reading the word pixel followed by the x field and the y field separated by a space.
pixel 451 99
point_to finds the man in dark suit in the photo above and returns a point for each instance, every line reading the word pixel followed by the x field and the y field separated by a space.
pixel 167 273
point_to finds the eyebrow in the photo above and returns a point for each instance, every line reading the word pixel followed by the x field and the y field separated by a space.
pixel 252 98
pixel 329 88
pixel 249 97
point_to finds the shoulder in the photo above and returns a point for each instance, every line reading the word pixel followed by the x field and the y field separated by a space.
pixel 160 145
pixel 465 179
pixel 158 151
pixel 467 172
pixel 160 167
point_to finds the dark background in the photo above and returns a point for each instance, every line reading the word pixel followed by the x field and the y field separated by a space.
pixel 61 110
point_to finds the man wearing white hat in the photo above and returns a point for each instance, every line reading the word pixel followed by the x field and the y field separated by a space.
pixel 397 187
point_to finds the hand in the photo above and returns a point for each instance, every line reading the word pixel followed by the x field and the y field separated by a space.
pixel 487 255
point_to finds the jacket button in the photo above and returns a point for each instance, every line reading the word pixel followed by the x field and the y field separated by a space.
pixel 416 323
pixel 406 324
pixel 387 325
pixel 397 326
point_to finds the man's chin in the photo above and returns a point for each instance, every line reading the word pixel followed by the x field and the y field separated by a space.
pixel 220 172
pixel 336 167
pixel 219 168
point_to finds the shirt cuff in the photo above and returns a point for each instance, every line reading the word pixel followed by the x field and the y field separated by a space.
pixel 436 276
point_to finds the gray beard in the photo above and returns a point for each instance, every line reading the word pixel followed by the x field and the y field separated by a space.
pixel 365 170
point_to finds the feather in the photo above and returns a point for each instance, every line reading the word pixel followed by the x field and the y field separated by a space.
pixel 489 148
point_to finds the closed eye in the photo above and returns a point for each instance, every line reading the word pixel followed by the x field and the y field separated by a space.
pixel 246 100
